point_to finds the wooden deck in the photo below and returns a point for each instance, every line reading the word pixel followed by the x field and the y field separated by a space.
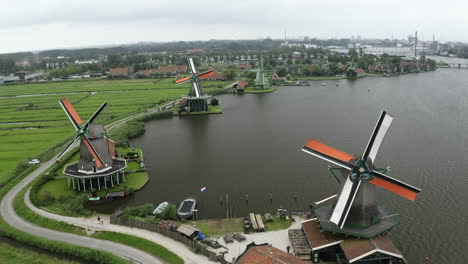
pixel 299 244
pixel 261 226
pixel 253 221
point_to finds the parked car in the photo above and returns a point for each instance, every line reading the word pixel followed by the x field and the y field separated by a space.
pixel 34 161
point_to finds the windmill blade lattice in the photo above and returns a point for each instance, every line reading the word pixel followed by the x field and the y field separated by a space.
pixel 195 78
pixel 82 130
pixel 360 171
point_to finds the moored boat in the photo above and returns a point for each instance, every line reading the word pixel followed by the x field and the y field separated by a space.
pixel 186 208
pixel 99 200
pixel 160 208
pixel 246 223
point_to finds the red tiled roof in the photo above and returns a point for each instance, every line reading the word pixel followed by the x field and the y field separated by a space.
pixel 279 78
pixel 215 76
pixel 119 71
pixel 242 84
pixel 182 102
pixel 359 71
pixel 195 50
pixel 356 249
pixel 171 69
pixel 145 72
pixel 266 254
pixel 245 66
pixel 316 238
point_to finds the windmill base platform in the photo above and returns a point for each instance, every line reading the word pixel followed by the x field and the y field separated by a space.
pixel 95 180
pixel 384 223
pixel 196 104
pixel 327 247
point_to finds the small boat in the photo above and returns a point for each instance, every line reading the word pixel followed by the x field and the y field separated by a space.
pixel 160 208
pixel 246 222
pixel 186 208
pixel 99 200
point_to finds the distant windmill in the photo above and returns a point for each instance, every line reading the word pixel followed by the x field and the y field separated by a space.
pixel 196 99
pixel 355 205
pixel 97 153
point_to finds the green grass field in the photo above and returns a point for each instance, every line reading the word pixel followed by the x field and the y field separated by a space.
pixel 219 227
pixel 14 255
pixel 253 90
pixel 30 125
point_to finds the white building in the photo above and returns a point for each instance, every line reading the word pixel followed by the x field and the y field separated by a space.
pixel 338 49
pixel 92 61
pixel 392 51
pixel 286 44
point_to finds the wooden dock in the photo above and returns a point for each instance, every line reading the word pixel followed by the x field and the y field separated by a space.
pixel 253 221
pixel 299 244
pixel 261 226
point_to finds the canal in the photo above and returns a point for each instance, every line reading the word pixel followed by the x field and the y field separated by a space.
pixel 254 149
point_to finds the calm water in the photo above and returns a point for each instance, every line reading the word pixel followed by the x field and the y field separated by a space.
pixel 254 149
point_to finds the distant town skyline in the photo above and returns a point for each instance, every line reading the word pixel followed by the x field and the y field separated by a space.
pixel 27 25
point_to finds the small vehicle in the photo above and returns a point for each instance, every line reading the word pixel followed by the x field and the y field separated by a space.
pixel 160 208
pixel 186 208
pixel 34 161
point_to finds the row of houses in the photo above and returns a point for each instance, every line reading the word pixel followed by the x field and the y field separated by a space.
pixel 21 76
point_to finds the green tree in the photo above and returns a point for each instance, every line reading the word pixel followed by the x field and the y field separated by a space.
pixel 114 60
pixel 230 74
pixel 170 213
pixel 281 71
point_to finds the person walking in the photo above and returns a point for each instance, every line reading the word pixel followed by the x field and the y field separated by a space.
pixel 102 221
pixel 99 220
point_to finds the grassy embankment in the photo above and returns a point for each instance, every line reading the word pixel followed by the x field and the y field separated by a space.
pixel 87 255
pixel 219 227
pixel 252 90
pixel 133 241
pixel 15 255
pixel 318 78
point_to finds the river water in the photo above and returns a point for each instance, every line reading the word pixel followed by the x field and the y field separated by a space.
pixel 254 149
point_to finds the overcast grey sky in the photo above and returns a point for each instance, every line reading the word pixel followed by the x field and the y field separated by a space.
pixel 46 24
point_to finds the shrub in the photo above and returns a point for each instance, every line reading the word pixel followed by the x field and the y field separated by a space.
pixel 170 213
pixel 140 211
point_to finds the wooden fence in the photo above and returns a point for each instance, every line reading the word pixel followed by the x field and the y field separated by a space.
pixel 197 246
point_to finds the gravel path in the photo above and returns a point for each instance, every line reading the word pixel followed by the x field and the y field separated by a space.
pixel 91 223
pixel 8 213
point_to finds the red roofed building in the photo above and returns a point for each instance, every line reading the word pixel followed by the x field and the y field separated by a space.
pixel 195 50
pixel 276 78
pixel 266 254
pixel 327 246
pixel 216 76
pixel 146 72
pixel 172 70
pixel 119 72
pixel 245 67
pixel 239 86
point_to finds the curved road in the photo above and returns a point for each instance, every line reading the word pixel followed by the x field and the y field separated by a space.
pixel 8 213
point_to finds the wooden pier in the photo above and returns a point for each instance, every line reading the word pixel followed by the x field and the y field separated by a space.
pixel 299 244
pixel 253 221
pixel 261 226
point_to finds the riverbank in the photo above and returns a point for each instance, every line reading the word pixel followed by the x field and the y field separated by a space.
pixel 252 90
